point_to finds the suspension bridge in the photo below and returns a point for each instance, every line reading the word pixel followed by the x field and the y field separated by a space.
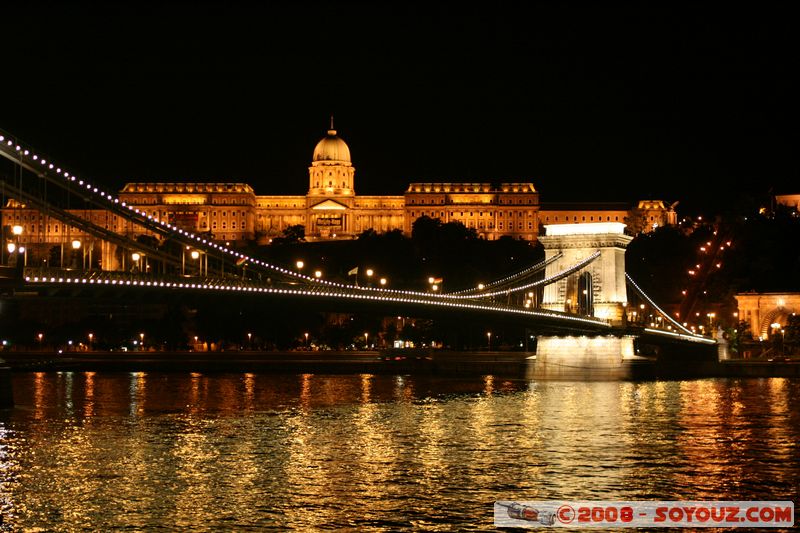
pixel 583 307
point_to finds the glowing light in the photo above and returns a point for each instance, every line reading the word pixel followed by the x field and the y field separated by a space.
pixel 591 228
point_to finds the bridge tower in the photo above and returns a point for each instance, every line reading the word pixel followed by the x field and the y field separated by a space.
pixel 599 289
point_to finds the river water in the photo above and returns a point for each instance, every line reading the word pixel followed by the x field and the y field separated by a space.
pixel 258 452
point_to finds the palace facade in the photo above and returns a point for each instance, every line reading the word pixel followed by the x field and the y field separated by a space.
pixel 331 209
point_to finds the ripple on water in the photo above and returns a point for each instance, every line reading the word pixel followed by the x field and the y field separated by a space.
pixel 223 452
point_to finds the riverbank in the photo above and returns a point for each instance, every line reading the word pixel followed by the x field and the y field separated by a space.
pixel 505 364
pixel 423 362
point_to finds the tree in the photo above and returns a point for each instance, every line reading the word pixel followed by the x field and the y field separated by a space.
pixel 291 235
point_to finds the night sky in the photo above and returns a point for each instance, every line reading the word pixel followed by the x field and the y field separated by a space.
pixel 590 101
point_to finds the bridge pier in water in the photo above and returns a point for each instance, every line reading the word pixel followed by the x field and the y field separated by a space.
pixel 599 289
pixel 601 357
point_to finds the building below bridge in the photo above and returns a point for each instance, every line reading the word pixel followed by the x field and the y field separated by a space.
pixel 331 209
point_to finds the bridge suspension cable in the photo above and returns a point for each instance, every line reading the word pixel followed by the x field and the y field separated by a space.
pixel 638 290
pixel 546 281
pixel 538 267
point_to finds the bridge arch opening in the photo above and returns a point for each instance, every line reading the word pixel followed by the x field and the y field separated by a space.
pixel 585 296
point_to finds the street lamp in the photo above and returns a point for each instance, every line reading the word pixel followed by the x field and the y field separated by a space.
pixel 17 230
pixel 76 245
pixel 383 282
pixel 91 337
pixel 318 274
pixel 250 340
pixel 299 264
pixel 141 339
pixel 195 255
pixel 306 336
pixel 40 337
pixel 489 339
pixel 366 339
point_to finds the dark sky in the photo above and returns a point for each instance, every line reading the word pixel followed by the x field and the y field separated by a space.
pixel 593 101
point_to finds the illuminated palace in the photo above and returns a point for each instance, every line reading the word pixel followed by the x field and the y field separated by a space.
pixel 331 209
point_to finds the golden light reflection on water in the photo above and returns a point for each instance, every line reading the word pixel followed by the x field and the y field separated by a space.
pixel 88 403
pixel 308 452
pixel 249 391
pixel 137 391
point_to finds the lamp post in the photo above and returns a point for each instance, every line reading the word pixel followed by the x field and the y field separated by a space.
pixel 306 336
pixel 14 244
pixel 366 339
pixel 196 257
pixel 91 338
pixel 76 245
pixel 382 281
pixel 318 274
pixel 141 341
pixel 370 272
pixel 489 340
pixel 250 341
pixel 136 257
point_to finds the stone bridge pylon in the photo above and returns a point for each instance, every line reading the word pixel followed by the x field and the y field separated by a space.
pixel 597 290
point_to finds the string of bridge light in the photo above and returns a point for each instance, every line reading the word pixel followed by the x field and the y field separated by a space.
pixel 142 214
pixel 690 337
pixel 538 266
pixel 300 292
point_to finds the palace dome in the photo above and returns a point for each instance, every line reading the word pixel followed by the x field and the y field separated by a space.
pixel 331 148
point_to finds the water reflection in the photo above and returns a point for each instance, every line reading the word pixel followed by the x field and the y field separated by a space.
pixel 141 451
